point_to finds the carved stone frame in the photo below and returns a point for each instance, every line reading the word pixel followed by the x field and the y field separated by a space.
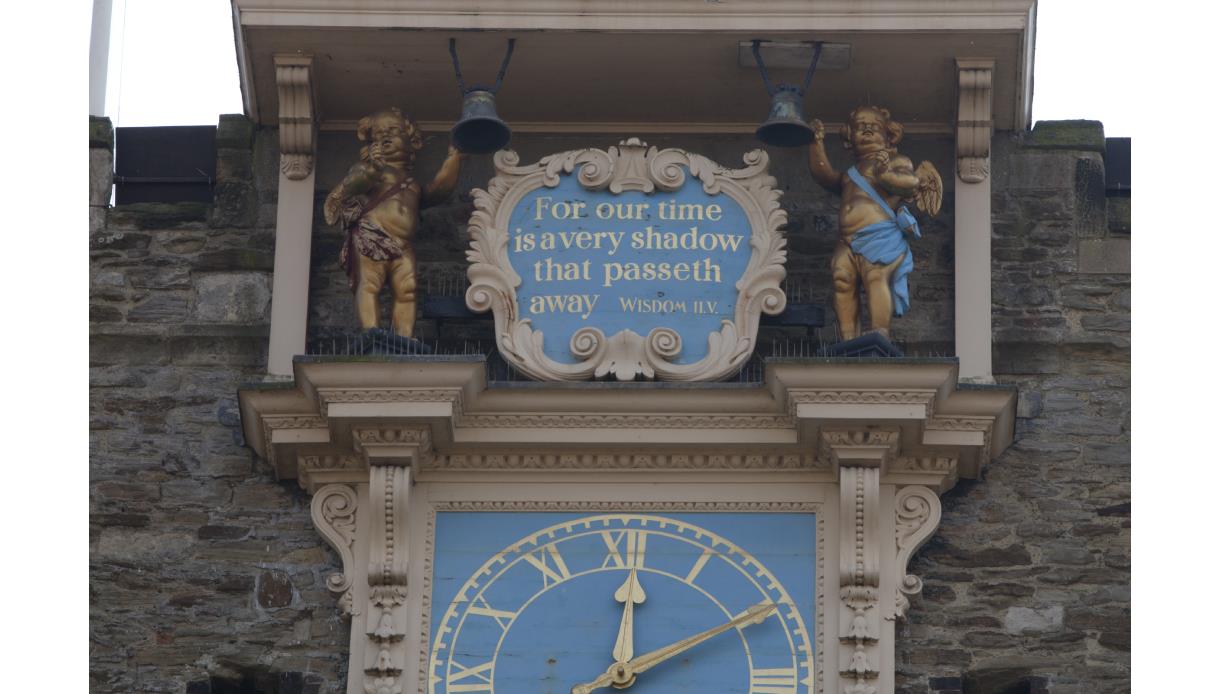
pixel 631 166
pixel 382 446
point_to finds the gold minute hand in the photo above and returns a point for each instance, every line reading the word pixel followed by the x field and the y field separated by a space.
pixel 622 675
pixel 630 594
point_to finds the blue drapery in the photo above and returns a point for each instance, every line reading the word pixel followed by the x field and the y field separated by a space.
pixel 883 242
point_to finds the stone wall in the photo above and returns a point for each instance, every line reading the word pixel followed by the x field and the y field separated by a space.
pixel 206 572
pixel 1027 582
pixel 201 564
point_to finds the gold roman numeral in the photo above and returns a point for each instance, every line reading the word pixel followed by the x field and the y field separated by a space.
pixel 478 677
pixel 626 548
pixel 699 564
pixel 543 559
pixel 480 607
pixel 773 681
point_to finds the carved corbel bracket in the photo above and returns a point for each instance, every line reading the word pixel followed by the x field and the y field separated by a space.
pixel 334 515
pixel 298 118
pixel 916 517
pixel 974 122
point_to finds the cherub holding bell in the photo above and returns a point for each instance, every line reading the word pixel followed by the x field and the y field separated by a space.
pixel 873 256
pixel 378 204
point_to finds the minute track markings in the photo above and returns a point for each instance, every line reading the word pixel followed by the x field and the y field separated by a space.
pixel 541 549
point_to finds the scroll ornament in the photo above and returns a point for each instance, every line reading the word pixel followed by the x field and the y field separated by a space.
pixel 626 355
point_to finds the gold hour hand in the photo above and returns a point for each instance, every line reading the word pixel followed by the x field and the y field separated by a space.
pixel 622 674
pixel 631 593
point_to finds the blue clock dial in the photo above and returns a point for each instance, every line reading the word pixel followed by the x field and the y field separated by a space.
pixel 559 603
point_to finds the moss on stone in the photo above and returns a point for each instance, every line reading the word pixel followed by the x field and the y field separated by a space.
pixel 234 131
pixel 1088 135
pixel 101 133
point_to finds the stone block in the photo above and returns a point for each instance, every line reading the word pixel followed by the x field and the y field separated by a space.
pixel 232 259
pixel 1029 404
pixel 1116 322
pixel 160 308
pixel 101 133
pixel 1105 256
pixel 236 204
pixel 274 589
pixel 234 131
pixel 1088 135
pixel 1031 171
pixel 1118 215
pixel 119 241
pixel 126 350
pixel 101 176
pixel 1032 621
pixel 1026 358
pixel 157 215
pixel 218 351
pixel 1090 194
pixel 232 297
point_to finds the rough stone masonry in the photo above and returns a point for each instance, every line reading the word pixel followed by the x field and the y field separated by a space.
pixel 206 575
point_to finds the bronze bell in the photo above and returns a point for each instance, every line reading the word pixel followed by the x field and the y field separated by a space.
pixel 479 130
pixel 785 125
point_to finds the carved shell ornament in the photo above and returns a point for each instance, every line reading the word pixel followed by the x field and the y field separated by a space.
pixel 627 263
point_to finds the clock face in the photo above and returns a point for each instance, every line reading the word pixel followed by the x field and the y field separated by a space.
pixel 555 603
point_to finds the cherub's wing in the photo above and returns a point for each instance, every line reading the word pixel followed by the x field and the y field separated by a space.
pixel 334 203
pixel 931 189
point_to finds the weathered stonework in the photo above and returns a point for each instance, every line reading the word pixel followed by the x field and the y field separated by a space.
pixel 206 572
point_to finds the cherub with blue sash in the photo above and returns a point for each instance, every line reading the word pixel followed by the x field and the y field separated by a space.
pixel 873 254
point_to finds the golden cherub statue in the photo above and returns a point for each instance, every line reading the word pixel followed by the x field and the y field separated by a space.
pixel 872 254
pixel 378 204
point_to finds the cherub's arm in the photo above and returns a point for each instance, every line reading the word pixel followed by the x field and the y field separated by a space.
pixel 819 163
pixel 897 177
pixel 446 179
pixel 361 178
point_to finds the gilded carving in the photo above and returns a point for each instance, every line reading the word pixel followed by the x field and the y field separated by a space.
pixel 872 257
pixel 378 205
pixel 631 166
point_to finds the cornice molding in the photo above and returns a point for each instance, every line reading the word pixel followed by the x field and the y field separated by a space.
pixel 643 15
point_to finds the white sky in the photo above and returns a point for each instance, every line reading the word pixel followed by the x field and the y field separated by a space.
pixel 1081 64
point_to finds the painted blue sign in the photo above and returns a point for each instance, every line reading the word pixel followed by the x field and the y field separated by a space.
pixel 548 602
pixel 631 261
